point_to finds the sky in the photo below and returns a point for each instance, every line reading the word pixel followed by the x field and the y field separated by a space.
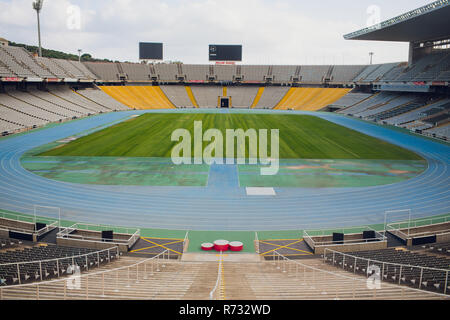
pixel 271 31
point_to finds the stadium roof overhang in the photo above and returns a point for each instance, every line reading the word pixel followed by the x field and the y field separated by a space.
pixel 428 23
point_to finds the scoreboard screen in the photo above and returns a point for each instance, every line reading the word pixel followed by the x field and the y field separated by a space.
pixel 150 51
pixel 225 52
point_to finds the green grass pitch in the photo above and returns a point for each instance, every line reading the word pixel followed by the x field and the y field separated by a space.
pixel 301 137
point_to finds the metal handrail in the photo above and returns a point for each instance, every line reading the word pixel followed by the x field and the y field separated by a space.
pixel 20 218
pixel 65 233
pixel 413 224
pixel 87 275
pixel 124 230
pixel 384 262
pixel 379 236
pixel 134 238
pixel 28 219
pixel 219 278
pixel 92 239
pixel 345 242
pixel 323 231
pixel 347 277
pixel 58 259
pixel 257 242
pixel 185 240
pixel 47 228
pixel 401 268
pixel 21 230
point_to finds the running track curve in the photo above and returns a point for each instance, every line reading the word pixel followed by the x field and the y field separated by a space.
pixel 227 208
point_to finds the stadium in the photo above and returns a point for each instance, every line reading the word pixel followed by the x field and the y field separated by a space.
pixel 94 206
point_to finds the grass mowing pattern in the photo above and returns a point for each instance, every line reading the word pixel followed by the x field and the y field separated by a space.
pixel 301 137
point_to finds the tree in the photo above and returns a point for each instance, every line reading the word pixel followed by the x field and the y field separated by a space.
pixel 57 54
pixel 86 57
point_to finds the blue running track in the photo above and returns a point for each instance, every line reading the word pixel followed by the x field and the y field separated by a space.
pixel 222 205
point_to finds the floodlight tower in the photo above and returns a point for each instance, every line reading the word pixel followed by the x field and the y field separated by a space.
pixel 79 55
pixel 37 5
pixel 371 56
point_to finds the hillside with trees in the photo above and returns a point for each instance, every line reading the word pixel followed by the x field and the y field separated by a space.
pixel 57 54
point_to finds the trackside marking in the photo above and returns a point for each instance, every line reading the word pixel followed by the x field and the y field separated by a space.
pixel 162 246
pixel 287 246
pixel 155 246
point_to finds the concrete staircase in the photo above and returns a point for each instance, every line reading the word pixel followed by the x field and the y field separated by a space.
pixel 293 281
pixel 154 280
pixel 306 279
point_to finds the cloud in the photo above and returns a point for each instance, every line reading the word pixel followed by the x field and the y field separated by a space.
pixel 272 32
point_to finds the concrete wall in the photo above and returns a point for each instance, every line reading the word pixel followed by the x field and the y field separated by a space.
pixel 98 235
pixel 424 231
pixel 18 226
pixel 355 247
pixel 439 227
pixel 347 237
pixel 15 224
pixel 93 240
pixel 4 233
pixel 97 245
pixel 443 238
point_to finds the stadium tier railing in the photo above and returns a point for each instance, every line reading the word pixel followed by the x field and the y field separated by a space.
pixel 185 241
pixel 309 234
pixel 74 288
pixel 25 218
pixel 385 269
pixel 38 233
pixel 133 232
pixel 319 240
pixel 407 230
pixel 298 270
pixel 59 263
pixel 47 229
pixel 397 226
pixel 258 251
pixel 51 224
pixel 97 227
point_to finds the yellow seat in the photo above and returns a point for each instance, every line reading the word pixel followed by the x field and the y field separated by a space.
pixel 257 98
pixel 139 97
pixel 310 99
